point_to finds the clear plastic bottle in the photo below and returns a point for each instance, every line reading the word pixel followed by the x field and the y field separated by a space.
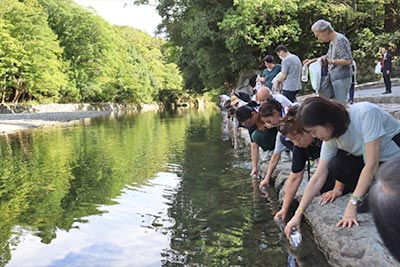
pixel 304 74
pixel 295 238
pixel 258 82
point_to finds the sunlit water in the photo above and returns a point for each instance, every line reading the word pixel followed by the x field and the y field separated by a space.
pixel 137 190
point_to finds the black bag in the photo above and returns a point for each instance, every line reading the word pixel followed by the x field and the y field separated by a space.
pixel 326 87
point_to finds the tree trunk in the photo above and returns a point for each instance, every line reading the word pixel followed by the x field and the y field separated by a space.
pixel 391 18
pixel 3 92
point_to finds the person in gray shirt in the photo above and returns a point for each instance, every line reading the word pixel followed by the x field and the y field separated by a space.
pixel 290 72
pixel 339 58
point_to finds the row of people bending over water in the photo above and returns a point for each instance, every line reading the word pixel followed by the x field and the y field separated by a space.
pixel 351 144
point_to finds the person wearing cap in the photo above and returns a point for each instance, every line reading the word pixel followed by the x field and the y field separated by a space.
pixel 236 102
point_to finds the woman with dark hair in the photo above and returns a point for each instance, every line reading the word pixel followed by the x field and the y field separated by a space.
pixel 360 137
pixel 304 148
pixel 384 200
pixel 260 135
pixel 271 112
pixel 270 71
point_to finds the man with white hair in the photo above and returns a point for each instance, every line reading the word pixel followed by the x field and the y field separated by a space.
pixel 339 58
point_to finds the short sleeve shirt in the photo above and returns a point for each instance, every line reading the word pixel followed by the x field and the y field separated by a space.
pixel 368 122
pixel 291 65
pixel 285 102
pixel 302 154
pixel 279 145
pixel 339 49
pixel 270 75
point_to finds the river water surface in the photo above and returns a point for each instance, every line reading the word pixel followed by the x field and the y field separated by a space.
pixel 151 189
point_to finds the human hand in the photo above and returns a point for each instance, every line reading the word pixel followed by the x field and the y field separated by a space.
pixel 280 215
pixel 294 222
pixel 349 217
pixel 264 182
pixel 330 196
pixel 254 172
pixel 388 72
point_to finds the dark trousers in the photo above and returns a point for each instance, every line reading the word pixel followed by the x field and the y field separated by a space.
pixel 351 93
pixel 346 169
pixel 386 80
pixel 291 95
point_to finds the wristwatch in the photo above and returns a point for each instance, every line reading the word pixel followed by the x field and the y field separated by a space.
pixel 333 62
pixel 355 200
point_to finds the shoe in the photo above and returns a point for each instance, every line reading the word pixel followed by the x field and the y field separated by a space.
pixel 387 92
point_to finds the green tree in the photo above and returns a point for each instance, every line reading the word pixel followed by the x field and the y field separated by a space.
pixel 89 47
pixel 239 33
pixel 38 74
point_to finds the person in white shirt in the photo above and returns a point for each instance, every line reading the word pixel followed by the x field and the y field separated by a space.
pixel 265 93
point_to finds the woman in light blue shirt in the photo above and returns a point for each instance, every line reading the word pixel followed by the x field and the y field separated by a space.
pixel 363 131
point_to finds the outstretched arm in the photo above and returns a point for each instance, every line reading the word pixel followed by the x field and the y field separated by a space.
pixel 372 156
pixel 312 189
pixel 254 158
pixel 292 184
pixel 271 167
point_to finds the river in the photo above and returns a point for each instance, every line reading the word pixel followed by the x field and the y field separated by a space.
pixel 151 189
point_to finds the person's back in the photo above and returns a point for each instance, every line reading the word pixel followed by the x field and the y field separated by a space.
pixel 341 46
pixel 385 202
pixel 290 73
pixel 292 66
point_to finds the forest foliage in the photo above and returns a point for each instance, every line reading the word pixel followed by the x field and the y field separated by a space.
pixel 219 41
pixel 57 51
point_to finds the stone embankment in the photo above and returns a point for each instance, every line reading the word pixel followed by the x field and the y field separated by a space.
pixel 359 246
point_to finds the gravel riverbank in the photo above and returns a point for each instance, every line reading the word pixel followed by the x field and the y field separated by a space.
pixel 24 121
pixel 52 115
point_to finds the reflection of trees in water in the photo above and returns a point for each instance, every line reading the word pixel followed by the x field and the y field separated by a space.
pixel 51 179
pixel 217 221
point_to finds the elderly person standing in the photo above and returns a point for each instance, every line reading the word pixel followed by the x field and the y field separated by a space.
pixel 339 58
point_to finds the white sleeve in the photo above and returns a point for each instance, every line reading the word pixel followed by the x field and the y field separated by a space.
pixel 328 150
